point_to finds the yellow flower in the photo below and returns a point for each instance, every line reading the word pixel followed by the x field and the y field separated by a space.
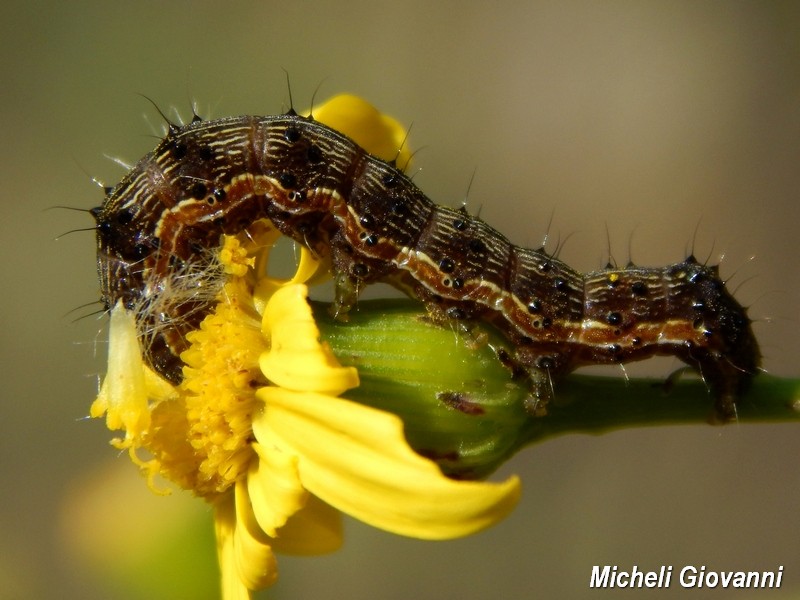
pixel 258 427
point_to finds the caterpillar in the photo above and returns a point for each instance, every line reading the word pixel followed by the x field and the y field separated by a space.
pixel 214 177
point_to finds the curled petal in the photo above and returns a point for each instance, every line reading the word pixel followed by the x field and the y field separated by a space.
pixel 298 522
pixel 275 488
pixel 296 359
pixel 373 474
pixel 310 270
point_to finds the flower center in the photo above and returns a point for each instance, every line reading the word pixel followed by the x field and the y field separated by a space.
pixel 202 438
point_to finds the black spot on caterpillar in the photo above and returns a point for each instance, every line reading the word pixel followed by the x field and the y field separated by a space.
pixel 161 225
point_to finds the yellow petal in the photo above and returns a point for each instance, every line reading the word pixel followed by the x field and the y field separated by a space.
pixel 311 270
pixel 373 474
pixel 378 134
pixel 296 360
pixel 299 522
pixel 274 487
pixel 314 529
pixel 123 395
pixel 225 527
pixel 255 562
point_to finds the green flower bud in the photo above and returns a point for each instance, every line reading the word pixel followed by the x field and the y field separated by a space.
pixel 463 409
pixel 459 405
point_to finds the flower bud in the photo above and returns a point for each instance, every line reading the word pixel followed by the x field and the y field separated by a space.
pixel 459 404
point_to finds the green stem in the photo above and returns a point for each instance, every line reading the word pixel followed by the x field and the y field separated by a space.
pixel 586 404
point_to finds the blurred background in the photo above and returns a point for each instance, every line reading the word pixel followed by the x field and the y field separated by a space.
pixel 675 125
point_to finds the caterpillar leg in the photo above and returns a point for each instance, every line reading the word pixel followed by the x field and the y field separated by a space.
pixel 346 290
pixel 350 275
pixel 542 392
pixel 541 372
pixel 727 383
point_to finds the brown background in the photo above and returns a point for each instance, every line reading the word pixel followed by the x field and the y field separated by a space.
pixel 645 117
